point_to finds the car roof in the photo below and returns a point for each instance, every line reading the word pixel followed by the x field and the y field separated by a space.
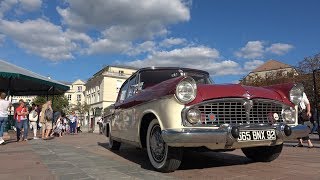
pixel 171 68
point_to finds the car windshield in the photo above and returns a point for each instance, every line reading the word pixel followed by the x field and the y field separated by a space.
pixel 153 77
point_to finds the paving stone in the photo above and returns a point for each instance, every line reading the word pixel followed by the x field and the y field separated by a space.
pixel 74 176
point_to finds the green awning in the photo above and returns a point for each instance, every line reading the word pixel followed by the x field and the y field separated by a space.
pixel 22 82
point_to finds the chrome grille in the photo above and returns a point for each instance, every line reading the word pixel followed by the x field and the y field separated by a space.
pixel 234 112
pixel 261 112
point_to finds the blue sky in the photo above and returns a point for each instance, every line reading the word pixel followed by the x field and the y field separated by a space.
pixel 73 39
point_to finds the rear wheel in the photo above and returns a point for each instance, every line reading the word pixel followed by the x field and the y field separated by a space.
pixel 113 144
pixel 263 153
pixel 162 157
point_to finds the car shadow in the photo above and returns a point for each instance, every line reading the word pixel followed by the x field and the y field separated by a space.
pixel 191 159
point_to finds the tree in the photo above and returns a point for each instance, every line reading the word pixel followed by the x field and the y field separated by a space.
pixel 60 102
pixel 82 108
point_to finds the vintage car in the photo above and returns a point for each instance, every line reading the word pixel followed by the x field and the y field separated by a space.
pixel 166 110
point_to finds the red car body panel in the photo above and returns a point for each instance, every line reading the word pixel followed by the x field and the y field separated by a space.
pixel 208 92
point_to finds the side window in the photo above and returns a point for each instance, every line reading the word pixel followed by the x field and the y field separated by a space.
pixel 131 88
pixel 123 92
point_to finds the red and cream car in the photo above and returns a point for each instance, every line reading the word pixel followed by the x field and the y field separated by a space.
pixel 168 109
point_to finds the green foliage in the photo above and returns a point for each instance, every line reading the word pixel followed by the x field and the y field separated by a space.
pixel 59 102
pixel 81 109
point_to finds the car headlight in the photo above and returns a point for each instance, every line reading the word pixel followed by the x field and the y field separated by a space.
pixel 186 90
pixel 296 94
pixel 193 116
pixel 289 115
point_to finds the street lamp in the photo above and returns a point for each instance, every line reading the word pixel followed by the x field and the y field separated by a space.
pixel 316 98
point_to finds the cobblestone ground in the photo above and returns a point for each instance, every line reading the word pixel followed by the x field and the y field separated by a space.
pixel 85 156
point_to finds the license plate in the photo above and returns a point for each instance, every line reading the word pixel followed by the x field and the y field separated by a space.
pixel 257 135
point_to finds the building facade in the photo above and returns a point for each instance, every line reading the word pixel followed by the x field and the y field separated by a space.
pixel 103 88
pixel 76 92
pixel 269 69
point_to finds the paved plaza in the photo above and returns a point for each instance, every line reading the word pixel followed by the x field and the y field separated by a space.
pixel 85 156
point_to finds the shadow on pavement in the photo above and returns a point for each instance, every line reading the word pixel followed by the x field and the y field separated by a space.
pixel 191 159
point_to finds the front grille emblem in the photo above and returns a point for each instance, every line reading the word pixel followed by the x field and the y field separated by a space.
pixel 248 105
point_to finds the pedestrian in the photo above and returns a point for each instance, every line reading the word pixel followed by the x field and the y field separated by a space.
pixel 58 127
pixel 315 115
pixel 304 118
pixel 33 118
pixel 46 117
pixel 73 123
pixel 78 126
pixel 100 125
pixel 22 121
pixel 4 106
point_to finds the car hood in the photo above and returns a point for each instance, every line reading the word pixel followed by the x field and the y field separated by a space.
pixel 208 92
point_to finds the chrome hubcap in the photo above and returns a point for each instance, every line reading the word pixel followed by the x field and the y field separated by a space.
pixel 157 145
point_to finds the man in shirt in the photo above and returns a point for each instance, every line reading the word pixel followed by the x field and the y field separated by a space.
pixel 304 116
pixel 4 105
pixel 22 121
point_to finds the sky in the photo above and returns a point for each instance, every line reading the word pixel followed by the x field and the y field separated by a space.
pixel 73 39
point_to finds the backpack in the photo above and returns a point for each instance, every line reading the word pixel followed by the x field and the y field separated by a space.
pixel 48 114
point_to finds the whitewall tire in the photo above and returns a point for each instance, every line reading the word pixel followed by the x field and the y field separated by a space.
pixel 162 157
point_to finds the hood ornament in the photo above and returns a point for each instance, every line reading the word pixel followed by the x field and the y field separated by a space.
pixel 246 95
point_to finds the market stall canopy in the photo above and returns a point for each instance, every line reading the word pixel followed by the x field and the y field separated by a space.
pixel 22 82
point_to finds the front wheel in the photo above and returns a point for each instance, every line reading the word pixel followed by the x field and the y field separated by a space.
pixel 263 153
pixel 162 157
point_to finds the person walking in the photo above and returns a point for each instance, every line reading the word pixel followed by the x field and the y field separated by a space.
pixel 304 117
pixel 33 118
pixel 73 123
pixel 46 117
pixel 4 105
pixel 22 121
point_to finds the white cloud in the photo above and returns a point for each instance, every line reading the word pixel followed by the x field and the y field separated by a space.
pixel 145 47
pixel 20 6
pixel 250 65
pixel 169 42
pixel 200 57
pixel 252 50
pixel 6 5
pixel 30 5
pixel 279 48
pixel 108 46
pixel 39 37
pixel 125 20
pixel 257 49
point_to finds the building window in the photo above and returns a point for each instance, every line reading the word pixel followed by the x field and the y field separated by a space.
pixel 98 97
pixel 79 88
pixel 78 97
pixel 69 97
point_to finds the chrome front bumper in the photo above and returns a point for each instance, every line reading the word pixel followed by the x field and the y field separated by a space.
pixel 222 138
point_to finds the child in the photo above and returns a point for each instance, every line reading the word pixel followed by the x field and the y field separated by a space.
pixel 58 128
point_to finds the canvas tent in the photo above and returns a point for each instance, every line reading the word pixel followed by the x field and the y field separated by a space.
pixel 18 81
